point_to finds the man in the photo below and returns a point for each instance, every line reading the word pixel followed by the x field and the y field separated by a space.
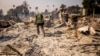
pixel 40 23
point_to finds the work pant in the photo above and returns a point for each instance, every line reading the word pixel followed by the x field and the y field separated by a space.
pixel 42 28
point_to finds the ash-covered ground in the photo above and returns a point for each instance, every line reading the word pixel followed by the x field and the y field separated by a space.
pixel 23 40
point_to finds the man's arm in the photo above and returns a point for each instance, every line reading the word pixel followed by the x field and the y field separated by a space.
pixel 42 18
pixel 35 19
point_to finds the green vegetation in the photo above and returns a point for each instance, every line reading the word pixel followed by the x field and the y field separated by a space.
pixel 90 5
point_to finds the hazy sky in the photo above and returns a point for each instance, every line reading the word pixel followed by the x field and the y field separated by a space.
pixel 42 4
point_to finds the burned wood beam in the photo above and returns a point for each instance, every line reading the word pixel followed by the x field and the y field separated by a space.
pixel 14 49
pixel 4 24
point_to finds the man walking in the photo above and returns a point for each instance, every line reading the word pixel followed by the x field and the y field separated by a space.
pixel 40 23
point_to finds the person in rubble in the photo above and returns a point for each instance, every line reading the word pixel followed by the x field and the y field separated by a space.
pixel 40 23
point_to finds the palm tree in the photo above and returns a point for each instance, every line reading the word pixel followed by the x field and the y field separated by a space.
pixel 29 11
pixel 29 7
pixel 13 6
pixel 36 8
pixel 46 11
pixel 63 6
pixel 53 6
pixel 25 4
pixel 48 7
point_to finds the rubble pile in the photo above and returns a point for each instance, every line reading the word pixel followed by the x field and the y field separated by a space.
pixel 23 40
